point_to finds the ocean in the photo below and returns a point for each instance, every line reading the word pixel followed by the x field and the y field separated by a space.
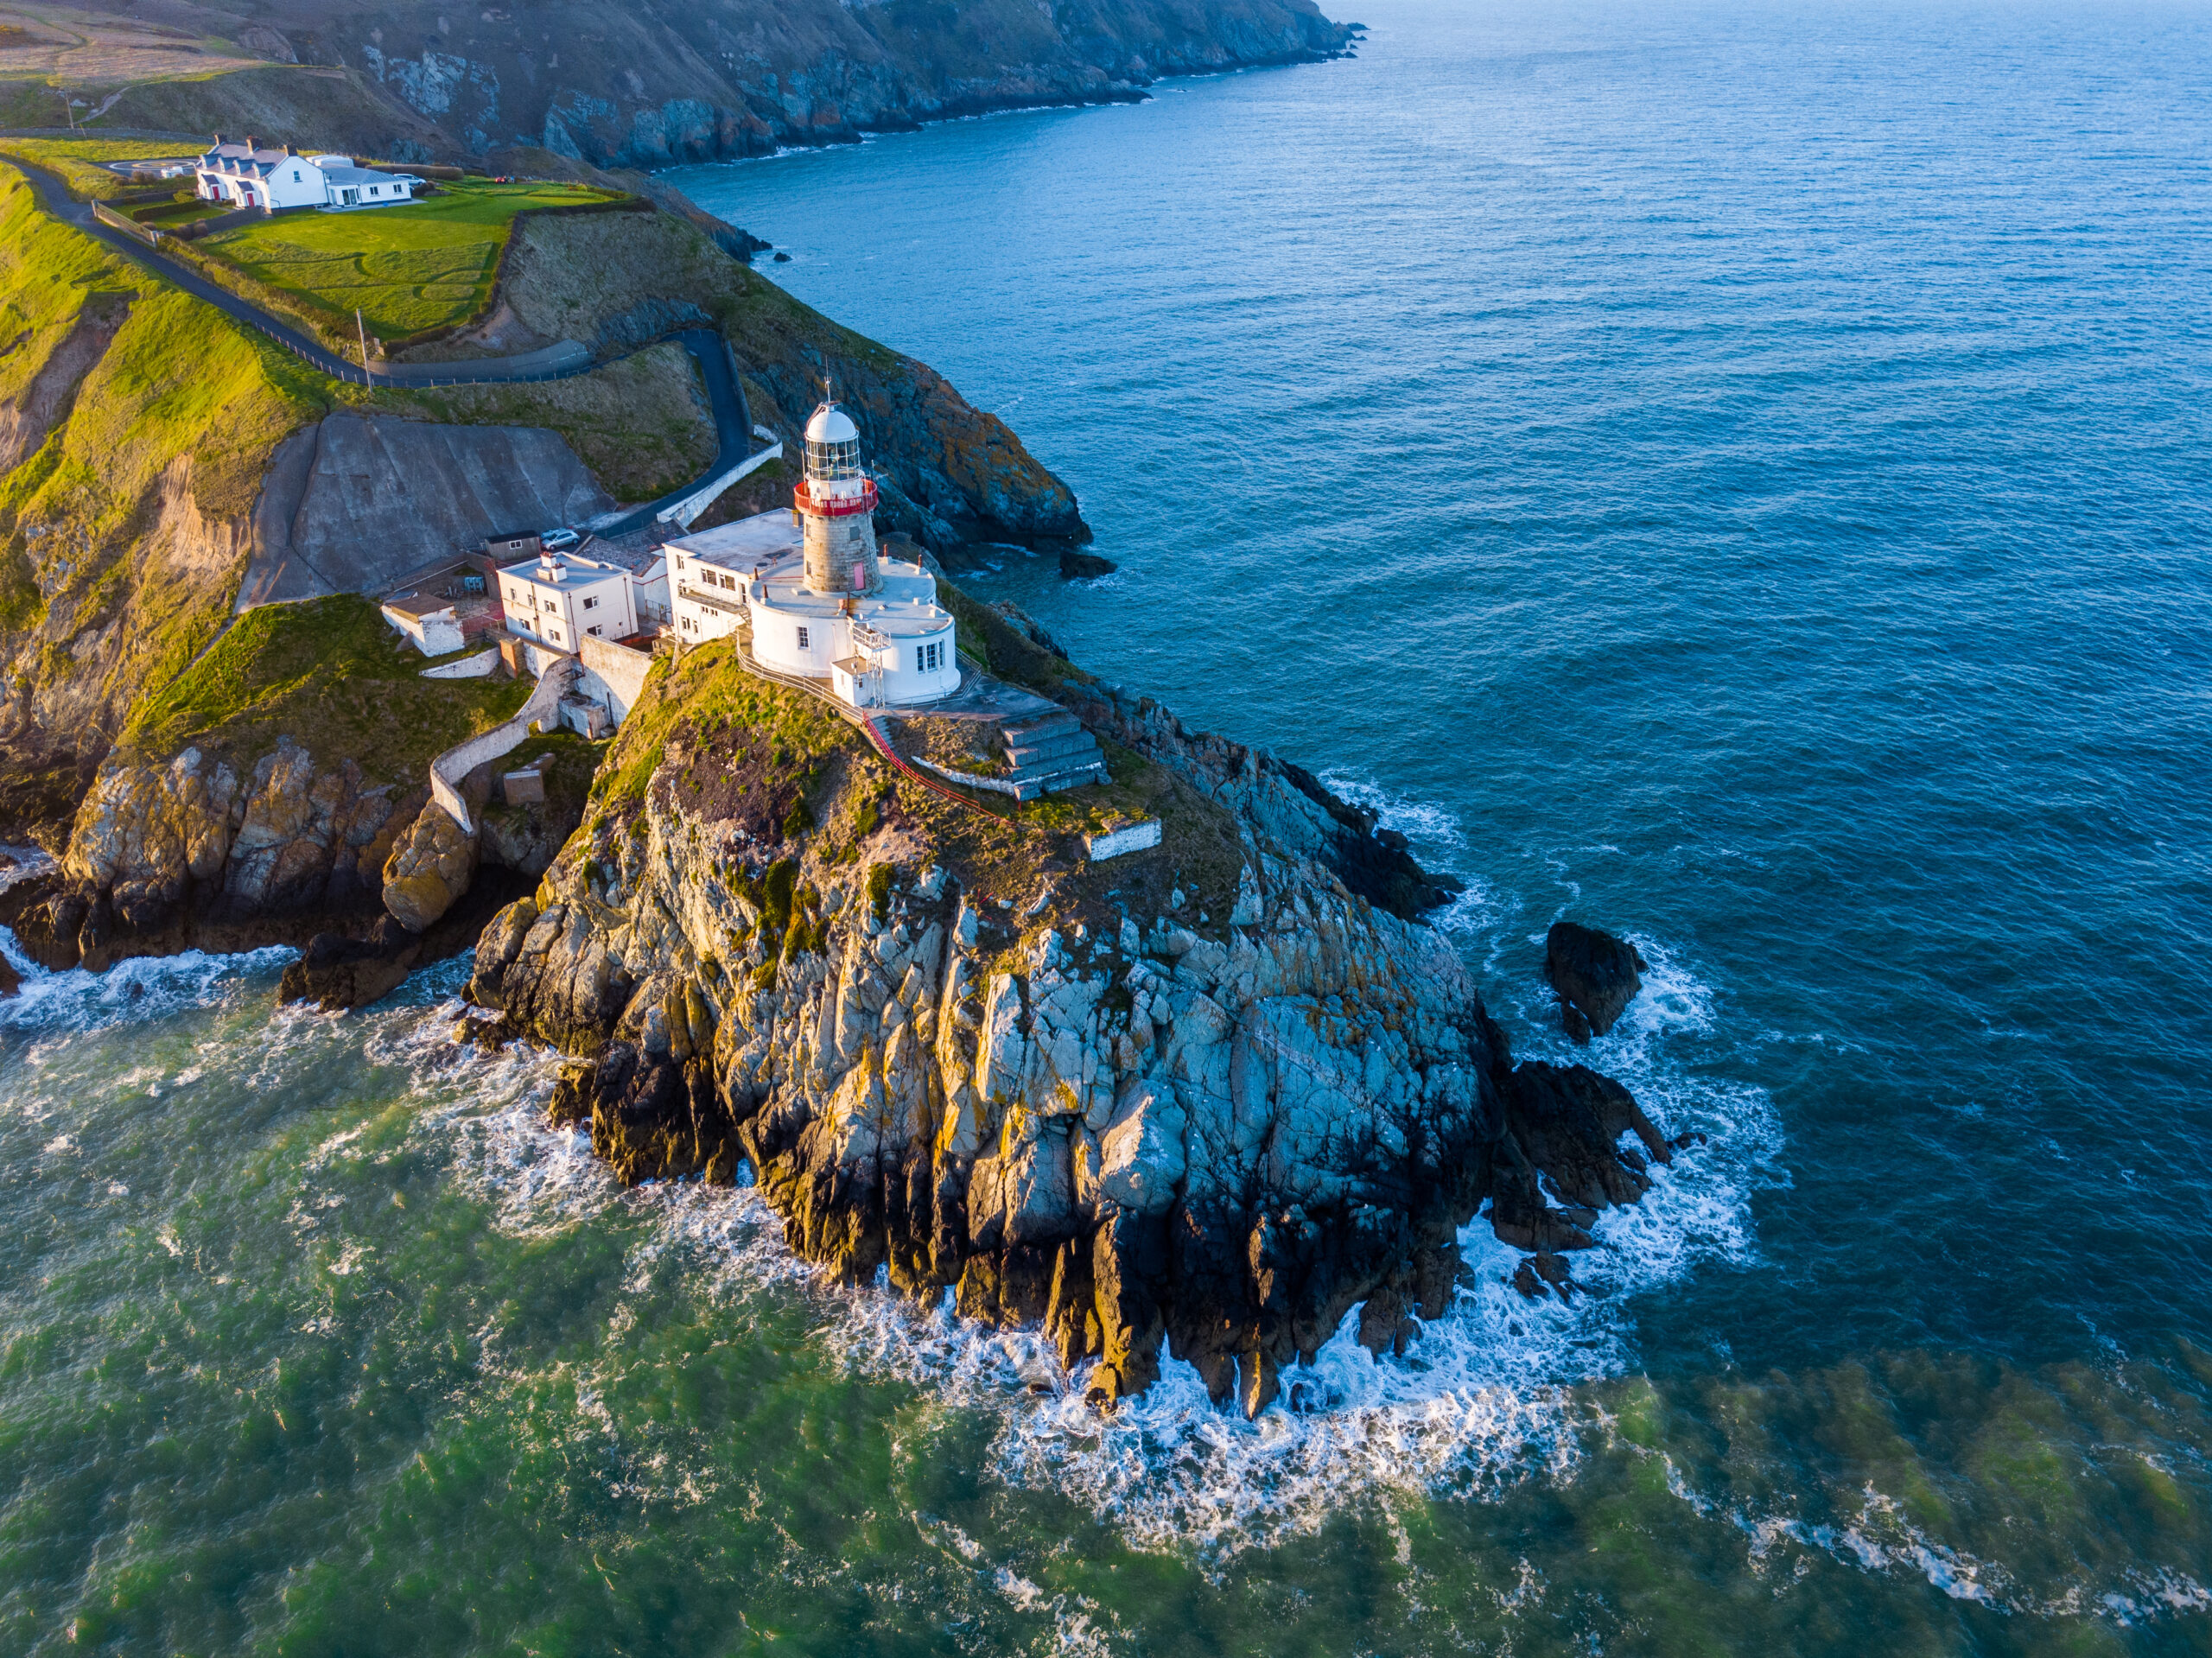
pixel 1733 474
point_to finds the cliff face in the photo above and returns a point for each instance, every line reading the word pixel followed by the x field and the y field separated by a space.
pixel 951 473
pixel 646 87
pixel 1211 1094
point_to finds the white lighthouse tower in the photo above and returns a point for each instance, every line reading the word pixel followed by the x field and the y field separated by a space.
pixel 813 597
pixel 835 505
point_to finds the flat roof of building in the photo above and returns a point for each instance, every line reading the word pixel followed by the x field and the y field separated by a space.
pixel 763 538
pixel 567 570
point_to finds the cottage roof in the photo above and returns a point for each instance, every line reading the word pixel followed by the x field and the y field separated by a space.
pixel 420 606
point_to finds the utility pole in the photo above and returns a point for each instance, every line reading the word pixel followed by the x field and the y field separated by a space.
pixel 69 108
pixel 367 378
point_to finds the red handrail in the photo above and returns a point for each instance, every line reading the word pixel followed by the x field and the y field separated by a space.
pixel 834 506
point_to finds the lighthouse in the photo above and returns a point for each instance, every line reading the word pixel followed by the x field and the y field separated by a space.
pixel 808 594
pixel 834 505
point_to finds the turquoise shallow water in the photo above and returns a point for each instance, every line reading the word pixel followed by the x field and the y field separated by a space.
pixel 1736 474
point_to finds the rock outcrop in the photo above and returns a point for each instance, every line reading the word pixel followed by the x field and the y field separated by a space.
pixel 1596 974
pixel 372 880
pixel 1213 1106
pixel 639 88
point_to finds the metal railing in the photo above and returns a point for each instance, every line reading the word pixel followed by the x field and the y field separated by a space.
pixel 711 602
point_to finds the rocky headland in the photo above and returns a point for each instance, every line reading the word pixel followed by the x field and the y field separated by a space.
pixel 626 87
pixel 1204 1099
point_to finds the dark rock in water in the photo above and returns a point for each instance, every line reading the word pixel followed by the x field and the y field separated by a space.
pixel 1081 566
pixel 335 971
pixel 9 981
pixel 1569 1121
pixel 1596 975
pixel 782 257
pixel 1525 1281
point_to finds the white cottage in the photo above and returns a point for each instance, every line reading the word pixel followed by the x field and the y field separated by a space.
pixel 432 623
pixel 248 175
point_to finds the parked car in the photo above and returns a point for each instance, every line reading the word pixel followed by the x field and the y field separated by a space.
pixel 560 541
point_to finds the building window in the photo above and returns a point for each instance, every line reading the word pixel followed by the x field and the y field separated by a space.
pixel 594 631
pixel 928 658
pixel 554 635
pixel 591 604
pixel 679 563
pixel 730 581
pixel 802 638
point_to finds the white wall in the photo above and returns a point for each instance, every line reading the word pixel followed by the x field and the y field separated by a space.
pixel 432 635
pixel 614 676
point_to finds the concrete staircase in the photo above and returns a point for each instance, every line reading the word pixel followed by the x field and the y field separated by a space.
pixel 1049 752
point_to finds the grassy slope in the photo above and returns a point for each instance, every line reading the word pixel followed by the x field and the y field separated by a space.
pixel 72 159
pixel 333 675
pixel 569 276
pixel 422 265
pixel 642 424
pixel 728 746
pixel 183 404
pixel 101 597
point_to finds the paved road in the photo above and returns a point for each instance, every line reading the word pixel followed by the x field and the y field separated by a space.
pixel 733 422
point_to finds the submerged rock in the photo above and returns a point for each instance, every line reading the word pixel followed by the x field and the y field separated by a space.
pixel 1082 567
pixel 1596 974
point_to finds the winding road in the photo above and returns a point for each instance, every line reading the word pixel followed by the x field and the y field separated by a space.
pixel 733 421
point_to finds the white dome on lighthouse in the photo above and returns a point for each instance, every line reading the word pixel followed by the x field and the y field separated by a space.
pixel 831 424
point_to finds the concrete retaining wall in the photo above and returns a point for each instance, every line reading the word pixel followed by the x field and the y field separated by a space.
pixel 614 675
pixel 457 762
pixel 1137 838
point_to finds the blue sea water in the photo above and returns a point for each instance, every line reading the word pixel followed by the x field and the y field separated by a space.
pixel 1737 474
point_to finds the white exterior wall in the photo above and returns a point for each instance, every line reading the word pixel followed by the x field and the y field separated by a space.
pixel 908 684
pixel 829 640
pixel 696 623
pixel 614 676
pixel 777 642
pixel 295 181
pixel 432 635
pixel 649 592
pixel 564 613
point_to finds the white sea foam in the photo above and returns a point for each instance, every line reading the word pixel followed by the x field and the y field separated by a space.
pixel 136 990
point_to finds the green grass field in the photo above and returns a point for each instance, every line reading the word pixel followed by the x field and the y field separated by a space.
pixel 330 673
pixel 72 159
pixel 428 265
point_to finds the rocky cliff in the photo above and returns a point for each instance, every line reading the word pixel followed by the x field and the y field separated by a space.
pixel 1216 1094
pixel 151 451
pixel 646 86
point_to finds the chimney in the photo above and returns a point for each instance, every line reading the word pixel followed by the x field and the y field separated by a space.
pixel 250 145
pixel 218 141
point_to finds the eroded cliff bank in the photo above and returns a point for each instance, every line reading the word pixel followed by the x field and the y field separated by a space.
pixel 1215 1094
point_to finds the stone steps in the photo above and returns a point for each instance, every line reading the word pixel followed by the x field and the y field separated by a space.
pixel 1051 752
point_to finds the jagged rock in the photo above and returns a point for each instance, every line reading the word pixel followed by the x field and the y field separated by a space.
pixel 429 869
pixel 1596 974
pixel 10 980
pixel 335 971
pixel 1139 1139
pixel 1082 567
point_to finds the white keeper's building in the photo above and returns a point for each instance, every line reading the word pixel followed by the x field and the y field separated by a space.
pixel 251 175
pixel 822 602
pixel 565 598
